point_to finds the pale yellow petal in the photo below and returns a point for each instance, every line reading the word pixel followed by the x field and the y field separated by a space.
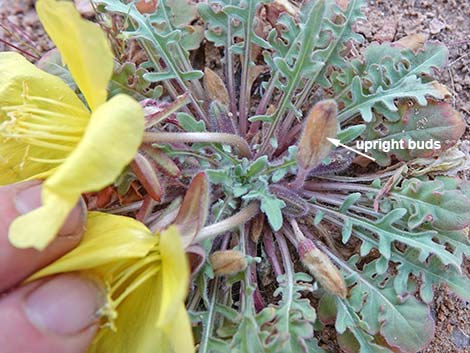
pixel 108 239
pixel 83 46
pixel 175 274
pixel 35 110
pixel 179 333
pixel 19 77
pixel 173 319
pixel 135 325
pixel 110 142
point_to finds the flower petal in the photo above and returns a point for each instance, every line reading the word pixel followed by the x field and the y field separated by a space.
pixel 18 75
pixel 110 142
pixel 173 319
pixel 24 87
pixel 179 332
pixel 83 46
pixel 108 239
pixel 135 325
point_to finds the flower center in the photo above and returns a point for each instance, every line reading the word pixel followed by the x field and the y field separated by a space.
pixel 49 129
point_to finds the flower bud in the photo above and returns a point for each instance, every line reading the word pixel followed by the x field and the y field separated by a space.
pixel 321 123
pixel 228 262
pixel 321 267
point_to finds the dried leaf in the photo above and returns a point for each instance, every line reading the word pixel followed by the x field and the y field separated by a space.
pixel 257 227
pixel 85 7
pixel 147 6
pixel 441 89
pixel 215 87
pixel 197 257
pixel 321 123
pixel 413 41
pixel 343 4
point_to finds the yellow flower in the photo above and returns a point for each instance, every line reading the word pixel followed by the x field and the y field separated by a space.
pixel 146 278
pixel 47 132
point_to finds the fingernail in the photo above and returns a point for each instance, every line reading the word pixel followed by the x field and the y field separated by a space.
pixel 65 305
pixel 30 199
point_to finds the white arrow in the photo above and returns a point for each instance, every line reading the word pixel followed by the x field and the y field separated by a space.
pixel 337 143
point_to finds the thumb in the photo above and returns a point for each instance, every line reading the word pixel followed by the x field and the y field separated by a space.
pixel 18 264
pixel 58 314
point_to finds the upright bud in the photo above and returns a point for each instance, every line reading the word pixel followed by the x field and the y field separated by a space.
pixel 228 262
pixel 146 171
pixel 193 212
pixel 321 267
pixel 320 124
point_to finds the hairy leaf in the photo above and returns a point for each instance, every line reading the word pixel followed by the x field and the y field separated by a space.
pixel 389 73
pixel 165 42
pixel 431 274
pixel 437 122
pixel 431 201
pixel 404 322
pixel 349 323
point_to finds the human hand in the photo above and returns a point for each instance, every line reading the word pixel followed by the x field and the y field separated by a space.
pixel 51 315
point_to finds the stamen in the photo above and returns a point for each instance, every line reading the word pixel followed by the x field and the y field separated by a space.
pixel 59 128
pixel 58 103
pixel 28 108
pixel 21 133
pixel 46 161
pixel 51 128
pixel 131 270
pixel 25 157
pixel 48 145
pixel 142 278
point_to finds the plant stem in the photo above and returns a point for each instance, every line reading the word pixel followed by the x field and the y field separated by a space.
pixel 194 137
pixel 19 49
pixel 244 94
pixel 229 223
pixel 207 331
pixel 270 249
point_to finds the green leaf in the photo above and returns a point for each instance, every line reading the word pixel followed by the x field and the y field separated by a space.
pixel 190 124
pixel 350 200
pixel 257 166
pixel 431 202
pixel 349 323
pixel 129 79
pixel 51 62
pixel 431 275
pixel 404 322
pixel 161 37
pixel 389 73
pixel 350 133
pixel 437 122
pixel 388 229
pixel 291 327
pixel 272 207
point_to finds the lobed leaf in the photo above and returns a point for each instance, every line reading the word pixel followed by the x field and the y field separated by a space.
pixel 404 322
pixel 432 202
pixel 436 122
